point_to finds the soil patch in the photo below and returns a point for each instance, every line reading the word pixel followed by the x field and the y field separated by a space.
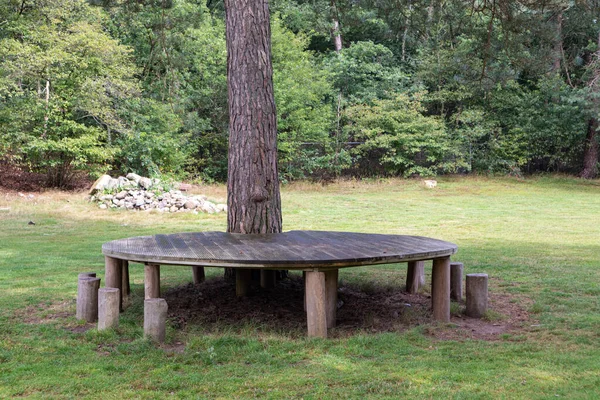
pixel 213 306
pixel 13 178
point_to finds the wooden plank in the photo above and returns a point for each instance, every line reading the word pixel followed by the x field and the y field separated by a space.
pixel 198 275
pixel 415 274
pixel 151 281
pixel 316 310
pixel 267 279
pixel 125 277
pixel 440 290
pixel 288 250
pixel 243 278
pixel 331 289
pixel 456 273
pixel 112 276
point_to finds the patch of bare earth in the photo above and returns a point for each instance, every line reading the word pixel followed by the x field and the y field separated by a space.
pixel 213 306
pixel 16 179
pixel 56 312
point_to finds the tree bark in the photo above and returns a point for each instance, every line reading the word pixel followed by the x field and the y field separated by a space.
pixel 558 44
pixel 335 32
pixel 590 155
pixel 253 198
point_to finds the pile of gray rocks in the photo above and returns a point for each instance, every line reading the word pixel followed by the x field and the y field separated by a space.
pixel 135 192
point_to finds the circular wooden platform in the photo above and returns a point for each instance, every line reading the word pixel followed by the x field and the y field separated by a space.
pixel 291 250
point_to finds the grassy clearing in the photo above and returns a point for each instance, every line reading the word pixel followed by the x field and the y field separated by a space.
pixel 538 239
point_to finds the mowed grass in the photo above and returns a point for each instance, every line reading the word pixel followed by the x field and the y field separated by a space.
pixel 538 239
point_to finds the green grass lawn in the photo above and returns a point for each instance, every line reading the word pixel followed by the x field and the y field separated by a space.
pixel 538 239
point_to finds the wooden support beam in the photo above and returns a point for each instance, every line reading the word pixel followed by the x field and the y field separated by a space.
pixel 243 279
pixel 125 277
pixel 113 276
pixel 415 276
pixel 151 281
pixel 456 273
pixel 316 309
pixel 440 289
pixel 267 278
pixel 108 308
pixel 331 289
pixel 198 275
pixel 304 280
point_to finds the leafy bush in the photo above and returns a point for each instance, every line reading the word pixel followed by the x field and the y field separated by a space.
pixel 400 140
pixel 152 145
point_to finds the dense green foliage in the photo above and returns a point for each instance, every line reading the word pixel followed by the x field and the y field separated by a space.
pixel 417 87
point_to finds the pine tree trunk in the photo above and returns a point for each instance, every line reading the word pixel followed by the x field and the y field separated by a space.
pixel 253 199
pixel 590 156
pixel 558 44
pixel 335 32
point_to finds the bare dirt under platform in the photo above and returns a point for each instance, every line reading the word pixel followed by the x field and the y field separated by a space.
pixel 213 306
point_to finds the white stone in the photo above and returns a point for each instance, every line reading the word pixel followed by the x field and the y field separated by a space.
pixel 221 207
pixel 103 206
pixel 99 185
pixel 430 183
pixel 190 205
pixel 112 184
pixel 145 183
pixel 133 177
pixel 208 207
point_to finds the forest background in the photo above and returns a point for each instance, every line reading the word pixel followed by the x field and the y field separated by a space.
pixel 362 87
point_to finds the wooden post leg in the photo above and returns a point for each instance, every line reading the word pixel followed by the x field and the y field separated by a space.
pixel 151 281
pixel 113 271
pixel 316 310
pixel 415 276
pixel 198 274
pixel 243 278
pixel 331 288
pixel 456 272
pixel 440 289
pixel 125 281
pixel 267 279
pixel 304 279
pixel 421 273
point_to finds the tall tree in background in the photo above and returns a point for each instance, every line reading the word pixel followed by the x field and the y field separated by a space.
pixel 590 156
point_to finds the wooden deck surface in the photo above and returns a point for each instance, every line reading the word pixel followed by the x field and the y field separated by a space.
pixel 291 250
